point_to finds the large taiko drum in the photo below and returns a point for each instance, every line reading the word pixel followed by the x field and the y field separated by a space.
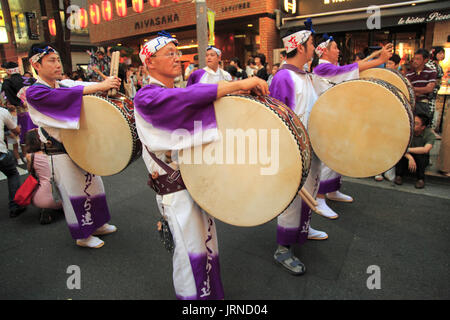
pixel 393 77
pixel 256 168
pixel 107 141
pixel 361 128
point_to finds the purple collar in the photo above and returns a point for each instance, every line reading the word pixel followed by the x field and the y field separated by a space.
pixel 292 68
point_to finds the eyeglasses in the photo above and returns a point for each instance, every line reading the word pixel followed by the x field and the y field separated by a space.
pixel 172 54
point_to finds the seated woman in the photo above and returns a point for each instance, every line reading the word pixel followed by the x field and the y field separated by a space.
pixel 42 197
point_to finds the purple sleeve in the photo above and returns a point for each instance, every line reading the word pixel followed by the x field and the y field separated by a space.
pixel 195 77
pixel 330 70
pixel 62 104
pixel 177 108
pixel 283 88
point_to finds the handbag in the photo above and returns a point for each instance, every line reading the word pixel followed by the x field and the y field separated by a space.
pixel 25 192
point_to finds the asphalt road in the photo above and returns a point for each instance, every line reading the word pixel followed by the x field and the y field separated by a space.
pixel 402 232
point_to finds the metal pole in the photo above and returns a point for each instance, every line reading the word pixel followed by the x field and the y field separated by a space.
pixel 202 31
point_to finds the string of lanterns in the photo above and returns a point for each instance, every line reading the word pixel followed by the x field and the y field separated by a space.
pixel 105 11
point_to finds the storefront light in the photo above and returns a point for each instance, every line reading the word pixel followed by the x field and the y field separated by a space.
pixel 94 12
pixel 52 26
pixel 121 8
pixel 107 10
pixel 83 16
pixel 138 5
pixel 155 3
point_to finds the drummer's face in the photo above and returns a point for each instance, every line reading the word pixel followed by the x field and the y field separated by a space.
pixel 333 52
pixel 166 61
pixel 49 67
pixel 310 48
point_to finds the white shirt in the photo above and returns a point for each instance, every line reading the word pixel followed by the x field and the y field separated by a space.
pixel 5 119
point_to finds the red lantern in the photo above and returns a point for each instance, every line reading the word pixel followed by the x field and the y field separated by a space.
pixel 52 27
pixel 83 15
pixel 94 11
pixel 107 10
pixel 138 5
pixel 121 8
pixel 155 3
pixel 176 1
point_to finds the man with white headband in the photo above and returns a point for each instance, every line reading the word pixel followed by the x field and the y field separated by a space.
pixel 211 73
pixel 53 107
pixel 168 120
pixel 328 68
pixel 294 87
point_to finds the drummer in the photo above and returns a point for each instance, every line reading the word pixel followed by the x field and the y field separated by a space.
pixel 328 68
pixel 165 119
pixel 292 86
pixel 53 107
pixel 212 73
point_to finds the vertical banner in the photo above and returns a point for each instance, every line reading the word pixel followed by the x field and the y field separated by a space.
pixel 211 21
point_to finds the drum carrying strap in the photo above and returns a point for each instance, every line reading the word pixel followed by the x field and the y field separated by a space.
pixel 167 183
pixel 52 146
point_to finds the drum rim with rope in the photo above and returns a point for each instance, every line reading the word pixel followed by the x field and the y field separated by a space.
pixel 301 140
pixel 84 155
pixel 409 88
pixel 323 141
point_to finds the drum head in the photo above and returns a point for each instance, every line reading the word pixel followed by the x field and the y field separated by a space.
pixel 359 128
pixel 104 142
pixel 393 77
pixel 249 192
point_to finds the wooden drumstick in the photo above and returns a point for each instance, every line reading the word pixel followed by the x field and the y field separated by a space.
pixel 306 197
pixel 310 197
pixel 115 59
pixel 372 55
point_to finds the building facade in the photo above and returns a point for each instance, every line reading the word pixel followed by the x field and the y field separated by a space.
pixel 359 24
pixel 242 27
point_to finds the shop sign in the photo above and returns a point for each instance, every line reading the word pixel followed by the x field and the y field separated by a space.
pixel 161 20
pixel 32 25
pixel 434 16
pixel 236 7
pixel 307 7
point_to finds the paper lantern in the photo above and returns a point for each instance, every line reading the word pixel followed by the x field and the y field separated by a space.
pixel 52 27
pixel 138 5
pixel 107 10
pixel 121 8
pixel 94 12
pixel 155 3
pixel 83 16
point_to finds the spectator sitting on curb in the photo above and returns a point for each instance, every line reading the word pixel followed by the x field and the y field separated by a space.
pixel 417 156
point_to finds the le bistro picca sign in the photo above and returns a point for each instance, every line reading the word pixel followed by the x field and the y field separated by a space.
pixel 434 16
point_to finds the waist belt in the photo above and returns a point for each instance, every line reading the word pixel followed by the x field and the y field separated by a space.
pixel 52 146
pixel 166 183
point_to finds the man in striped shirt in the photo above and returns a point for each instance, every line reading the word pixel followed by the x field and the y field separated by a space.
pixel 423 79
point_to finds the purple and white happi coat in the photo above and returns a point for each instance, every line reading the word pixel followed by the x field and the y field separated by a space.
pixel 208 75
pixel 330 180
pixel 294 87
pixel 171 119
pixel 82 193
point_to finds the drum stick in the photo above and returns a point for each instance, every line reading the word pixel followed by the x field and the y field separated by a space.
pixel 307 201
pixel 115 59
pixel 373 55
pixel 309 196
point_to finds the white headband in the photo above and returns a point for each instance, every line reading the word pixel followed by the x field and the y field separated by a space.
pixel 219 53
pixel 321 47
pixel 13 71
pixel 292 41
pixel 153 46
pixel 42 52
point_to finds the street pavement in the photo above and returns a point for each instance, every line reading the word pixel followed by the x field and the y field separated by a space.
pixel 397 230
